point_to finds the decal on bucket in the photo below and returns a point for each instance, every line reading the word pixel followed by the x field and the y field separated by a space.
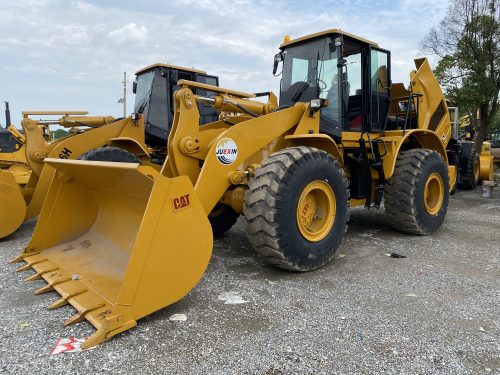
pixel 181 202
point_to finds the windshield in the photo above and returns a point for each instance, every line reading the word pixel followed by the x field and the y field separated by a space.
pixel 144 85
pixel 309 72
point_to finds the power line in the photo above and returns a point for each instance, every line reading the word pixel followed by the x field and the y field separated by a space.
pixel 75 75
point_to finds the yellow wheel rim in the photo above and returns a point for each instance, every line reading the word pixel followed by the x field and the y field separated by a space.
pixel 433 193
pixel 476 169
pixel 316 211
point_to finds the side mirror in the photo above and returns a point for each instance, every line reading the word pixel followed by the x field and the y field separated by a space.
pixel 134 86
pixel 341 63
pixel 277 58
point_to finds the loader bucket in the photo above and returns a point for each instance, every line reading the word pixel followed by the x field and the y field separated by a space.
pixel 12 204
pixel 117 241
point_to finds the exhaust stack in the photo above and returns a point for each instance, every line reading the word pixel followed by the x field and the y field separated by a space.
pixel 7 115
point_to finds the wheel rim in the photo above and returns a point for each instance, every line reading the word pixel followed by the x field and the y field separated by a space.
pixel 316 211
pixel 433 193
pixel 476 169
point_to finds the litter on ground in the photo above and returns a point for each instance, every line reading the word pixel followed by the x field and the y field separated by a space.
pixel 178 318
pixel 231 298
pixel 67 345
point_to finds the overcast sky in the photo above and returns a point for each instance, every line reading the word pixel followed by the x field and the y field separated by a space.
pixel 59 54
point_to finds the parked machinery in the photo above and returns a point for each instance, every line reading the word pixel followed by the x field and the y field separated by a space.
pixel 134 238
pixel 12 152
pixel 139 138
pixel 473 166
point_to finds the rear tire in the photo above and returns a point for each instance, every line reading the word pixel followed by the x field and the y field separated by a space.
pixel 416 196
pixel 469 175
pixel 296 208
pixel 112 154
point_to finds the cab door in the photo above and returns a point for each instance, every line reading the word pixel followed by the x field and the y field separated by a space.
pixel 380 88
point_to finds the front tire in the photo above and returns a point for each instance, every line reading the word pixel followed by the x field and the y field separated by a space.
pixel 296 208
pixel 416 196
pixel 112 154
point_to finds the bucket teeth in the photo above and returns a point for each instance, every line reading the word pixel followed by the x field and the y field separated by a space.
pixel 64 300
pixel 80 316
pixel 21 256
pixel 17 259
pixel 38 274
pixel 30 263
pixel 23 268
pixel 59 303
pixel 50 286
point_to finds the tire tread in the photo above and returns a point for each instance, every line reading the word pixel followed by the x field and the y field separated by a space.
pixel 266 188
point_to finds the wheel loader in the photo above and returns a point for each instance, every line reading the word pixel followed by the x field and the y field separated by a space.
pixel 20 180
pixel 12 152
pixel 128 139
pixel 119 241
pixel 472 167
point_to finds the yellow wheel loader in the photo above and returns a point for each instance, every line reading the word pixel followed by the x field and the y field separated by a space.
pixel 473 167
pixel 19 181
pixel 123 140
pixel 119 241
pixel 12 152
pixel 14 171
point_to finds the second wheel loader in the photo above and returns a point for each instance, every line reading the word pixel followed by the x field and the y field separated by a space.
pixel 119 241
pixel 104 138
pixel 473 167
pixel 12 151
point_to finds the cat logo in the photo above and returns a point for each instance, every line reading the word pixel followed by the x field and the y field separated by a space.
pixel 181 202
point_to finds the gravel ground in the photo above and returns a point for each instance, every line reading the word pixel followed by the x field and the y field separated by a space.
pixel 434 312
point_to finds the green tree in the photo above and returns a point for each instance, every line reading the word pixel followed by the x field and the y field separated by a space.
pixel 59 133
pixel 495 124
pixel 467 41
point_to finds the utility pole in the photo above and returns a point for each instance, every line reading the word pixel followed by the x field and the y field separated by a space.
pixel 123 99
pixel 124 94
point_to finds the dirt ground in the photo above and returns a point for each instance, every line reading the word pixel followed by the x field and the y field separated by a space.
pixel 437 311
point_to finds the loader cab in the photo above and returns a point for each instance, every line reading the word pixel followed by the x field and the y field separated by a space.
pixel 352 73
pixel 154 88
pixel 7 142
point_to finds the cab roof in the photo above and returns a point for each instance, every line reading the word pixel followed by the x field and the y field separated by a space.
pixel 326 32
pixel 169 66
